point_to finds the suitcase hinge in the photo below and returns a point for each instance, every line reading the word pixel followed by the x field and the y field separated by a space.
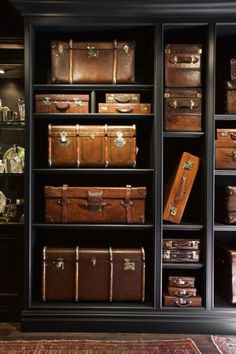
pixel 172 210
pixel 188 165
pixel 128 265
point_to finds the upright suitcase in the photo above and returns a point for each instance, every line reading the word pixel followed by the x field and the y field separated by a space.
pixel 183 65
pixel 179 187
pixel 92 62
pixel 125 205
pixel 225 204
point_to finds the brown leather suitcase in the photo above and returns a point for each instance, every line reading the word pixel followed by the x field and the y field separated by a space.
pixel 192 301
pixel 180 256
pixel 181 281
pixel 182 292
pixel 181 244
pixel 95 204
pixel 60 274
pixel 123 97
pixel 179 187
pixel 183 110
pixel 91 146
pixel 58 103
pixel 183 65
pixel 225 272
pixel 233 69
pixel 231 97
pixel 225 154
pixel 142 108
pixel 92 62
pixel 226 134
pixel 225 204
pixel 101 274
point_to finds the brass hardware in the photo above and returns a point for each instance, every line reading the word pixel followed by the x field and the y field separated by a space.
pixel 195 256
pixel 119 141
pixel 92 52
pixel 78 102
pixel 60 49
pixel 93 261
pixel 126 49
pixel 166 255
pixel 106 164
pixel 92 136
pixel 166 95
pixel 175 103
pixel 104 108
pixel 46 101
pixel 172 210
pixel 63 141
pixel 192 104
pixel 167 51
pixel 168 243
pixel 188 165
pixel 128 265
pixel 199 95
pixel 200 50
pixel 175 59
pixel 58 264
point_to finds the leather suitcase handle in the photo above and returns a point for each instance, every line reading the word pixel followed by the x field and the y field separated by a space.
pixel 231 154
pixel 124 110
pixel 184 295
pixel 183 60
pixel 174 104
pixel 122 99
pixel 182 283
pixel 183 302
pixel 62 106
pixel 233 136
pixel 180 191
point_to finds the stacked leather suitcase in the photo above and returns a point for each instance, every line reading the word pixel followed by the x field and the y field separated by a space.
pixel 225 149
pixel 122 103
pixel 181 250
pixel 183 104
pixel 182 292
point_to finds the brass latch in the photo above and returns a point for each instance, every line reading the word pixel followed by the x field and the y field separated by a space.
pixel 93 261
pixel 172 210
pixel 92 52
pixel 188 165
pixel 58 264
pixel 128 265
pixel 63 141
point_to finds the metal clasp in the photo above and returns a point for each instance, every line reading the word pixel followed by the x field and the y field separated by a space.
pixel 46 101
pixel 63 141
pixel 128 265
pixel 60 49
pixel 126 49
pixel 92 52
pixel 172 210
pixel 188 165
pixel 93 261
pixel 58 264
pixel 119 141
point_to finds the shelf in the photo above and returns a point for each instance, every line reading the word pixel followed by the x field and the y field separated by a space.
pixel 183 134
pixel 226 117
pixel 93 226
pixel 225 172
pixel 182 265
pixel 91 87
pixel 36 305
pixel 90 116
pixel 93 170
pixel 11 223
pixel 12 126
pixel 2 175
pixel 182 227
pixel 224 227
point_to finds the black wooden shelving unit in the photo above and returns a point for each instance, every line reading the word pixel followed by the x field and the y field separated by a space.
pixel 152 25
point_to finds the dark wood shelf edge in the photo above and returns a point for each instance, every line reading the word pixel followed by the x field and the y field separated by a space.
pixel 225 172
pixel 101 306
pixel 90 87
pixel 93 170
pixel 93 226
pixel 183 134
pixel 183 227
pixel 11 224
pixel 182 265
pixel 92 115
pixel 225 228
pixel 225 117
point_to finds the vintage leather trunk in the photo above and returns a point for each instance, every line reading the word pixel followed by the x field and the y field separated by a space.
pixel 181 256
pixel 183 65
pixel 60 267
pixel 58 103
pixel 142 108
pixel 101 274
pixel 183 110
pixel 226 134
pixel 179 187
pixel 182 292
pixel 192 301
pixel 95 204
pixel 225 204
pixel 181 281
pixel 92 62
pixel 233 69
pixel 225 154
pixel 91 146
pixel 225 272
pixel 123 97
pixel 231 97
pixel 181 244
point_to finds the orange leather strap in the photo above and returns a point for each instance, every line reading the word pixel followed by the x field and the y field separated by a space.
pixel 49 145
pixel 106 145
pixel 128 204
pixel 77 144
pixel 111 275
pixel 143 274
pixel 115 58
pixel 44 275
pixel 64 204
pixel 77 274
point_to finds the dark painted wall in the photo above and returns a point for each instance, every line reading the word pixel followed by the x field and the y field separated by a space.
pixel 11 21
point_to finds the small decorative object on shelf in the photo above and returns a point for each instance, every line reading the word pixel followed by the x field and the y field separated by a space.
pixel 14 159
pixel 21 108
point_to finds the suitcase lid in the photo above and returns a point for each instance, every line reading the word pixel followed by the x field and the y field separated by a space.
pixel 111 254
pixel 59 130
pixel 183 48
pixel 107 130
pixel 48 97
pixel 183 93
pixel 63 253
pixel 91 47
pixel 128 254
pixel 227 133
pixel 103 192
pixel 180 278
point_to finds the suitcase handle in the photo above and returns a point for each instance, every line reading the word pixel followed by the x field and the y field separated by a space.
pixel 233 136
pixel 182 294
pixel 182 283
pixel 183 60
pixel 180 190
pixel 122 99
pixel 62 106
pixel 174 104
pixel 124 110
pixel 183 302
pixel 231 154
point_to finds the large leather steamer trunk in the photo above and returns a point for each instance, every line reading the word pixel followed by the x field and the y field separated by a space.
pixel 183 65
pixel 61 103
pixel 92 62
pixel 179 187
pixel 95 204
pixel 93 274
pixel 91 146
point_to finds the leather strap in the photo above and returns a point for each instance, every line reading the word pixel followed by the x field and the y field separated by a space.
pixel 77 144
pixel 76 273
pixel 115 58
pixel 44 275
pixel 70 53
pixel 143 274
pixel 106 145
pixel 111 275
pixel 134 145
pixel 64 204
pixel 49 145
pixel 128 204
